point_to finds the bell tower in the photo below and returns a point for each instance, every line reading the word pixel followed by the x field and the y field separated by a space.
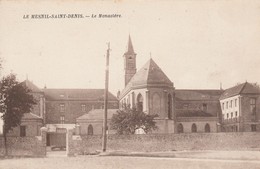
pixel 130 62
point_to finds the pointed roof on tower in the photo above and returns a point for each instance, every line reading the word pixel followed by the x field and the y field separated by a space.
pixel 130 48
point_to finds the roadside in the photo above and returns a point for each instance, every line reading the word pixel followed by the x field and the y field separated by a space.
pixel 220 155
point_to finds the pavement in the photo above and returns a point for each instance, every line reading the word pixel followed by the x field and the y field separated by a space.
pixel 216 155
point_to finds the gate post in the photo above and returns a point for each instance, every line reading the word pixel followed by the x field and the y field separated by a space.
pixel 43 139
pixel 69 142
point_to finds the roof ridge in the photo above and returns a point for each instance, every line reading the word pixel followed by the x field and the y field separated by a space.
pixel 244 84
pixel 149 67
pixel 200 89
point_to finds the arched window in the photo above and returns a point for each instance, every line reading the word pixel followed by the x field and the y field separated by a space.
pixel 169 106
pixel 193 128
pixel 207 128
pixel 90 130
pixel 140 102
pixel 180 128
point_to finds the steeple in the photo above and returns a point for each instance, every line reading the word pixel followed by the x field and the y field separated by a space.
pixel 130 48
pixel 130 61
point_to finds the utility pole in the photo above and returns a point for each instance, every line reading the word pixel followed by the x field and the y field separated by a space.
pixel 104 141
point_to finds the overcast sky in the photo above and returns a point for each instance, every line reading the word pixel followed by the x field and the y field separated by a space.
pixel 198 44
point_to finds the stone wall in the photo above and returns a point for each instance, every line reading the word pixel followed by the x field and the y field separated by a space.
pixel 24 146
pixel 161 142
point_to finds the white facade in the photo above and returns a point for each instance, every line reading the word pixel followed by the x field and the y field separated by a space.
pixel 230 107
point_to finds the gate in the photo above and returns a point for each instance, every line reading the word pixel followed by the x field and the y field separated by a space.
pixel 57 140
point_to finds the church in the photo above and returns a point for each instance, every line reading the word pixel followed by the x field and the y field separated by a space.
pixel 179 111
pixel 149 90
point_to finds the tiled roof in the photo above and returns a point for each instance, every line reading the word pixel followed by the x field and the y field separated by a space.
pixel 31 86
pixel 197 94
pixel 244 88
pixel 97 114
pixel 77 94
pixel 149 74
pixel 192 113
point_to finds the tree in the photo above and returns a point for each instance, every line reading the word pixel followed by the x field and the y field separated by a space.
pixel 15 100
pixel 1 66
pixel 128 120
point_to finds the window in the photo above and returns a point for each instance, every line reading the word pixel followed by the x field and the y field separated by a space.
pixel 253 106
pixel 207 128
pixel 227 115
pixel 231 115
pixel 83 107
pixel 231 101
pixel 226 105
pixel 193 128
pixel 62 119
pixel 62 107
pixel 205 107
pixel 22 131
pixel 253 127
pixel 140 102
pixel 90 130
pixel 235 102
pixel 169 106
pixel 236 113
pixel 180 128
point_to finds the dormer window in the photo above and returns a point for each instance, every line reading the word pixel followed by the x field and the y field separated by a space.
pixel 62 107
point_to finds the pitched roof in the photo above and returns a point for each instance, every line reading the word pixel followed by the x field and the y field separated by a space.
pixel 31 86
pixel 197 94
pixel 244 88
pixel 149 74
pixel 77 94
pixel 97 114
pixel 130 48
pixel 192 113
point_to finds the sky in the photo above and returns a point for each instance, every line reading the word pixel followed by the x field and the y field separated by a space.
pixel 198 44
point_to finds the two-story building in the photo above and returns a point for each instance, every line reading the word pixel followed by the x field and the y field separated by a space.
pixel 240 108
pixel 64 106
